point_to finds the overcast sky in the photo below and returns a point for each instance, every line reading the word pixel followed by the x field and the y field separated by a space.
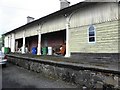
pixel 13 13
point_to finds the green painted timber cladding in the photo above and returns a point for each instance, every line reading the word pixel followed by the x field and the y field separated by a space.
pixel 106 38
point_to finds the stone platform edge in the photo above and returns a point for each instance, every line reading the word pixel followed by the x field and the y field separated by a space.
pixel 69 65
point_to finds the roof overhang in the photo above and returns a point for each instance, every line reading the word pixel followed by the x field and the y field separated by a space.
pixel 64 11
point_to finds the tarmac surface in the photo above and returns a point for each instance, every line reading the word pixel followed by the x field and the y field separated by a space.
pixel 17 77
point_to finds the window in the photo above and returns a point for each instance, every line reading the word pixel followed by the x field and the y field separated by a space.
pixel 91 37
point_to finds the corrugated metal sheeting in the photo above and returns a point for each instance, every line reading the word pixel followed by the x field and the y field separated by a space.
pixel 101 12
pixel 106 39
pixel 103 15
pixel 31 31
pixel 98 13
pixel 52 25
pixel 19 34
pixel 55 24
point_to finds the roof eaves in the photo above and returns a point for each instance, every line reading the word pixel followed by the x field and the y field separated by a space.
pixel 62 11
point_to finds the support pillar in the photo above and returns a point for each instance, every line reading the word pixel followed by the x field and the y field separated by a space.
pixel 23 47
pixel 39 44
pixel 67 39
pixel 13 43
pixel 8 41
pixel 16 45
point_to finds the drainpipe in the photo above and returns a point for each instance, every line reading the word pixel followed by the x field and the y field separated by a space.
pixel 68 18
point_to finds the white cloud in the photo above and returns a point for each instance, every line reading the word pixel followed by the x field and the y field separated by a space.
pixel 13 13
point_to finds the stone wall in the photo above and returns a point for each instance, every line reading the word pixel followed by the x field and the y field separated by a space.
pixel 72 73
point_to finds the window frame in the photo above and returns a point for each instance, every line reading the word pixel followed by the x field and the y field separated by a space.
pixel 88 31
